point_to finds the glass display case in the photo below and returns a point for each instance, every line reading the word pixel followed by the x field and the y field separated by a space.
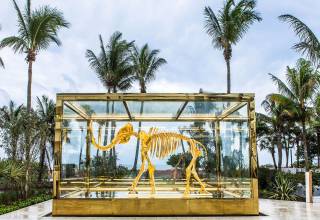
pixel 155 154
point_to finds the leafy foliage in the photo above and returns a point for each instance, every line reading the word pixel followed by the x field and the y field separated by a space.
pixel 145 64
pixel 309 44
pixel 283 188
pixel 36 29
pixel 113 63
pixel 23 203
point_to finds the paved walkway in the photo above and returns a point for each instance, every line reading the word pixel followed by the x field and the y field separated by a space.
pixel 273 209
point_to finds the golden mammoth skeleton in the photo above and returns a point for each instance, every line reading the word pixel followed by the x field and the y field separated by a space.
pixel 155 143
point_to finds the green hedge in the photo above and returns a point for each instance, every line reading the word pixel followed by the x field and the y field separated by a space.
pixel 24 203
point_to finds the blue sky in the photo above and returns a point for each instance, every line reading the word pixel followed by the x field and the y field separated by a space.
pixel 174 27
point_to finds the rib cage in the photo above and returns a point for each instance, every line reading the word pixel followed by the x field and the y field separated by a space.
pixel 161 144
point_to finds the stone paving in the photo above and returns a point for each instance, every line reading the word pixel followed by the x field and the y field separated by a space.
pixel 272 209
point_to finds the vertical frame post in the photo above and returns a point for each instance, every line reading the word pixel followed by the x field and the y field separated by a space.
pixel 253 152
pixel 88 145
pixel 218 155
pixel 57 148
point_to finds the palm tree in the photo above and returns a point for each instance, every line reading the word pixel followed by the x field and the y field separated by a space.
pixel 36 30
pixel 114 69
pixel 10 123
pixel 272 125
pixel 296 95
pixel 309 44
pixel 46 112
pixel 145 64
pixel 229 26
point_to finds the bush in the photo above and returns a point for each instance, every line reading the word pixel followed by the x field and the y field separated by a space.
pixel 23 203
pixel 283 187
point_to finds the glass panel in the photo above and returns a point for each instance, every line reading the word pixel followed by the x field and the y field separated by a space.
pixel 73 155
pixel 235 170
pixel 154 108
pixel 109 174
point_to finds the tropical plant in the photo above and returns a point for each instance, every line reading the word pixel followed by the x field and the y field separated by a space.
pixel 114 69
pixel 228 27
pixel 46 112
pixel 270 128
pixel 37 29
pixel 29 146
pixel 296 95
pixel 11 172
pixel 309 44
pixel 11 124
pixel 145 64
pixel 113 63
pixel 283 187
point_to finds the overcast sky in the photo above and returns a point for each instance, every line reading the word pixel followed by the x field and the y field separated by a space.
pixel 173 26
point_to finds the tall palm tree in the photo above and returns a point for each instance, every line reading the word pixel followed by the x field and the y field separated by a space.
pixel 145 64
pixel 46 112
pixel 272 124
pixel 114 69
pixel 309 44
pixel 37 29
pixel 229 26
pixel 296 95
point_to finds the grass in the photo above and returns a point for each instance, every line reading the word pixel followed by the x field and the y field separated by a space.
pixel 24 203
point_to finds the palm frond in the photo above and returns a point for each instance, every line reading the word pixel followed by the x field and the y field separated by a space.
pixel 309 43
pixel 282 87
pixel 44 25
pixel 212 27
pixel 23 28
pixel 18 44
pixel 1 62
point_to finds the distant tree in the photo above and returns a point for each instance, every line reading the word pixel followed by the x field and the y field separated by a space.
pixel 145 64
pixel 37 29
pixel 46 112
pixel 296 95
pixel 10 125
pixel 271 127
pixel 228 26
pixel 114 69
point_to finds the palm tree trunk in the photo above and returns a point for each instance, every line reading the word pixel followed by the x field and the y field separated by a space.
pixel 228 76
pixel 29 86
pixel 273 159
pixel 279 145
pixel 227 56
pixel 287 152
pixel 318 143
pixel 305 145
pixel 113 150
pixel 134 168
pixel 81 145
pixel 49 163
pixel 42 157
pixel 297 153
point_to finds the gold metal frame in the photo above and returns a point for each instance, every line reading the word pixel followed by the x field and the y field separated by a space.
pixel 168 206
